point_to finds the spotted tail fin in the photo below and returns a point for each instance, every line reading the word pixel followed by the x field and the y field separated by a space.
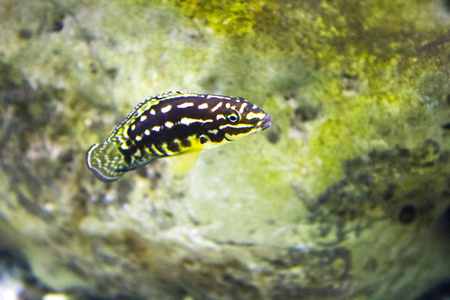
pixel 105 160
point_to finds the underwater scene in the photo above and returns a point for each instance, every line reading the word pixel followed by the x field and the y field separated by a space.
pixel 224 149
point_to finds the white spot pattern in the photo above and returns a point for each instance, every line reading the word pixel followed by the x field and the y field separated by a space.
pixel 252 115
pixel 188 121
pixel 241 110
pixel 217 107
pixel 166 109
pixel 203 106
pixel 185 105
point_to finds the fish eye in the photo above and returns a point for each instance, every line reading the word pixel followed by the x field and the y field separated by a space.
pixel 233 117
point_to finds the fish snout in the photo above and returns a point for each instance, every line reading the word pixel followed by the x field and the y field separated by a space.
pixel 266 122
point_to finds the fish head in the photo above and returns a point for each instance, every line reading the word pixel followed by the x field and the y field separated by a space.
pixel 238 118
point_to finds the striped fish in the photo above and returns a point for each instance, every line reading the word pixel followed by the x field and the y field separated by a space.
pixel 171 124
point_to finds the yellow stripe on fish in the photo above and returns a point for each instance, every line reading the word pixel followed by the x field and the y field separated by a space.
pixel 171 124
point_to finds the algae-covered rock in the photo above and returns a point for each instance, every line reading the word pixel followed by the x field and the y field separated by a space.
pixel 347 195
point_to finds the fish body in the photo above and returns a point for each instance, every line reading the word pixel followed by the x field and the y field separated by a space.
pixel 174 123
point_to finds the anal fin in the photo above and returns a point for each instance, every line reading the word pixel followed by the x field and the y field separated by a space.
pixel 181 164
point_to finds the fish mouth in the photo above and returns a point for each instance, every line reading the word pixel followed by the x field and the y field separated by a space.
pixel 266 122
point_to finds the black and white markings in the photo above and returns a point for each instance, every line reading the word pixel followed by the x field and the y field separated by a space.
pixel 171 124
pixel 166 109
pixel 185 105
pixel 252 115
pixel 218 105
pixel 241 110
pixel 203 106
pixel 218 97
pixel 235 126
pixel 189 121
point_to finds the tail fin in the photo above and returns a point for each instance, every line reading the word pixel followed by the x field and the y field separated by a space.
pixel 105 160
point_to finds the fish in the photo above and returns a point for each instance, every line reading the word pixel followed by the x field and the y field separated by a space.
pixel 171 124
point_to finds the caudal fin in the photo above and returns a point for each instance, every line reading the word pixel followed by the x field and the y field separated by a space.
pixel 105 160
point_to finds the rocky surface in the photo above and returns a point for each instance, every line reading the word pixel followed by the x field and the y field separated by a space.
pixel 346 195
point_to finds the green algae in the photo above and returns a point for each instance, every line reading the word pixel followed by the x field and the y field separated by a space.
pixel 230 17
